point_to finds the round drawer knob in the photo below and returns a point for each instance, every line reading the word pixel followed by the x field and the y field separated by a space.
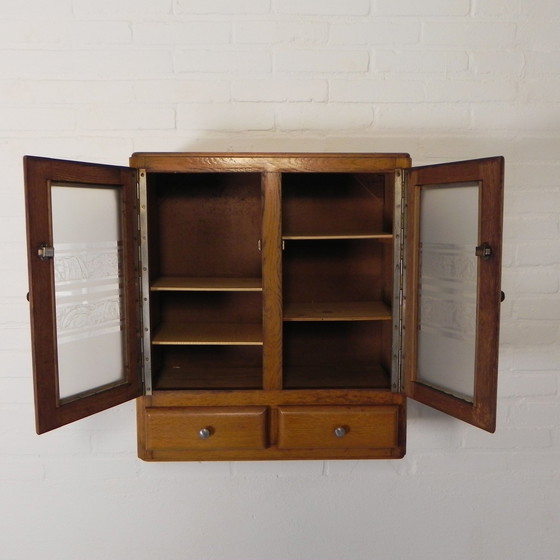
pixel 341 431
pixel 204 433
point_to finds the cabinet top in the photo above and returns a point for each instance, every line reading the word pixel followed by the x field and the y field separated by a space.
pixel 269 162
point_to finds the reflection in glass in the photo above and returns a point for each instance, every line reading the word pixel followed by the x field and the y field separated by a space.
pixel 87 262
pixel 448 288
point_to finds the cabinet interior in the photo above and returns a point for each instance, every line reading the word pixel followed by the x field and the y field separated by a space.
pixel 206 286
pixel 205 280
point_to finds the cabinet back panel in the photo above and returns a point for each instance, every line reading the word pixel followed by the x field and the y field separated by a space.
pixel 210 367
pixel 313 203
pixel 205 224
pixel 336 270
pixel 213 307
pixel 332 355
pixel 329 355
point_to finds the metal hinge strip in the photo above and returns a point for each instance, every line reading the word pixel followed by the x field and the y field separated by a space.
pixel 145 339
pixel 398 280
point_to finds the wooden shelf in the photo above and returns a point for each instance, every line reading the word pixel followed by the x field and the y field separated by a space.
pixel 218 378
pixel 206 284
pixel 227 334
pixel 338 311
pixel 337 377
pixel 322 236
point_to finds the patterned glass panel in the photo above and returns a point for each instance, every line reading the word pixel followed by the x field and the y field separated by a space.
pixel 448 288
pixel 87 261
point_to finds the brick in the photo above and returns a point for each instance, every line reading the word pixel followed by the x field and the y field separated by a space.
pixel 285 32
pixel 15 390
pixel 122 8
pixel 226 117
pixel 67 91
pixel 432 116
pixel 453 147
pixel 538 254
pixel 535 149
pixel 33 32
pixel 536 414
pixel 473 464
pixel 528 332
pixel 536 180
pixel 184 470
pixel 222 6
pixel 223 61
pixel 179 90
pixel 485 35
pixel 539 35
pixel 542 63
pixel 531 202
pixel 511 116
pixel 381 32
pixel 366 142
pixel 541 309
pixel 498 62
pixel 91 468
pixel 46 117
pixel 542 9
pixel 293 469
pixel 18 362
pixel 14 282
pixel 37 7
pixel 437 8
pixel 537 280
pixel 528 385
pixel 84 64
pixel 127 117
pixel 96 146
pixel 377 91
pixel 536 359
pixel 12 205
pixel 278 90
pixel 520 438
pixel 530 228
pixel 15 312
pixel 421 62
pixel 537 466
pixel 182 33
pixel 546 90
pixel 471 90
pixel 322 61
pixel 447 435
pixel 323 7
pixel 319 116
pixel 22 471
pixel 495 8
pixel 508 255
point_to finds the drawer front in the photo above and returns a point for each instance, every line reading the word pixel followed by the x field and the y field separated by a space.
pixel 200 428
pixel 338 427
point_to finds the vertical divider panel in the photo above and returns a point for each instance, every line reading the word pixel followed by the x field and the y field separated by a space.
pixel 271 244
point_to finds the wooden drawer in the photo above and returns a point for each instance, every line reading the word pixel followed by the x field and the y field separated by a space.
pixel 200 428
pixel 338 427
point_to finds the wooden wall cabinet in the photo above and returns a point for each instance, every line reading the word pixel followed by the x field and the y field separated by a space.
pixel 265 306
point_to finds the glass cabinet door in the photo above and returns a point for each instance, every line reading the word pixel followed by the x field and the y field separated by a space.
pixel 452 299
pixel 83 288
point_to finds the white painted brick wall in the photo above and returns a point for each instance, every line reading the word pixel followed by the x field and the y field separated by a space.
pixel 441 79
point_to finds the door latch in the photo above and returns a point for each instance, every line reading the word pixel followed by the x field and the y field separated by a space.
pixel 484 251
pixel 45 252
